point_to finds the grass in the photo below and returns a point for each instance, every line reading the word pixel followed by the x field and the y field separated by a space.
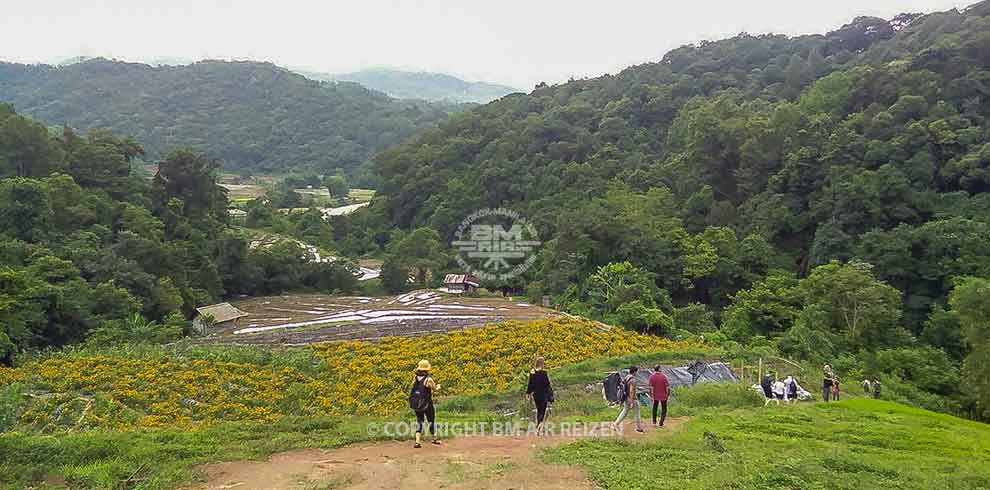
pixel 854 444
pixel 733 442
pixel 163 458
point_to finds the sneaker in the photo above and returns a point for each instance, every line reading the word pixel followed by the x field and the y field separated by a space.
pixel 436 441
pixel 640 430
pixel 417 445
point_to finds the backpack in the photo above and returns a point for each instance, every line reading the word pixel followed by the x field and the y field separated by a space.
pixel 621 392
pixel 419 396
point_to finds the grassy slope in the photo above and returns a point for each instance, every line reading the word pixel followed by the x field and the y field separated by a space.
pixel 858 443
pixel 854 444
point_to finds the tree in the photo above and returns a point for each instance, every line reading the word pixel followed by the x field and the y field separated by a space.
pixel 337 186
pixel 849 303
pixel 26 148
pixel 419 251
pixel 192 178
pixel 969 300
pixel 617 284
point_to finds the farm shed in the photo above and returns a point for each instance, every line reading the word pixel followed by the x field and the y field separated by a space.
pixel 221 316
pixel 460 283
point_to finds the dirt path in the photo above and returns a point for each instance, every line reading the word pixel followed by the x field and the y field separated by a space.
pixel 479 462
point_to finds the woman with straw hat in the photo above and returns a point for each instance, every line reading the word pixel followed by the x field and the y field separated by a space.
pixel 421 401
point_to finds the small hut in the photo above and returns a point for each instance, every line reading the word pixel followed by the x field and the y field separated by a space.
pixel 460 283
pixel 222 316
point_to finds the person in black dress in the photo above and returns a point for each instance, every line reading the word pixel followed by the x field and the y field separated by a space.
pixel 540 391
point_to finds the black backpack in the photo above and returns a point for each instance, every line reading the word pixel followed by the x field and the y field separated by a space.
pixel 622 394
pixel 419 396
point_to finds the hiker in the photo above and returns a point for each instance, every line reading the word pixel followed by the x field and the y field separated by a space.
pixel 540 391
pixel 835 389
pixel 867 389
pixel 827 376
pixel 660 387
pixel 421 401
pixel 629 400
pixel 767 384
pixel 876 388
pixel 790 384
pixel 779 391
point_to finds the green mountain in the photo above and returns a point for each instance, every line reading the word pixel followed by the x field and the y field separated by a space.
pixel 252 116
pixel 754 189
pixel 437 87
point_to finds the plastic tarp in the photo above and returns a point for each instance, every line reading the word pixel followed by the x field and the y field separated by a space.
pixel 696 373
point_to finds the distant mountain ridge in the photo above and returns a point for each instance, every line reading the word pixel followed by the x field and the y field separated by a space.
pixel 437 87
pixel 253 116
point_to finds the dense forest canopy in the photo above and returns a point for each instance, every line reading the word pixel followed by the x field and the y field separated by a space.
pixel 823 193
pixel 252 116
pixel 91 250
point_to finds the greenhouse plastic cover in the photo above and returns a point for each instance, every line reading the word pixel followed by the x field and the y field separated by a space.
pixel 699 372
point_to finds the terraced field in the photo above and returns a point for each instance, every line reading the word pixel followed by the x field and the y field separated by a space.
pixel 303 319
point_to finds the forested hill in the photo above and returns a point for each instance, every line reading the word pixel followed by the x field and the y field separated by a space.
pixel 422 85
pixel 814 142
pixel 250 115
pixel 716 179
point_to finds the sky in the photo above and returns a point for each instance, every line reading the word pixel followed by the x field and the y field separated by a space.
pixel 517 42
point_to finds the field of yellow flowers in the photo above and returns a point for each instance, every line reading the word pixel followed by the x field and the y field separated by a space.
pixel 170 389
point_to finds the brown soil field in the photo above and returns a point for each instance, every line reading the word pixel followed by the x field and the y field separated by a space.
pixel 304 319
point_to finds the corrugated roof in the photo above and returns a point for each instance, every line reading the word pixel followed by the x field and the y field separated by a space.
pixel 461 279
pixel 223 312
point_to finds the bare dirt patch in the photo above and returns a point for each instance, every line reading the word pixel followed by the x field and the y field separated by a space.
pixel 303 319
pixel 481 462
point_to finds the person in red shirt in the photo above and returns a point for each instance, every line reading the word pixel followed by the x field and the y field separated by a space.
pixel 660 387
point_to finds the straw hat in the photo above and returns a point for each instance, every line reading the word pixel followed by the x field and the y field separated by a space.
pixel 423 365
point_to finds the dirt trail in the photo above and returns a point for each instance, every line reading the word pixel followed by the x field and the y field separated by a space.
pixel 478 462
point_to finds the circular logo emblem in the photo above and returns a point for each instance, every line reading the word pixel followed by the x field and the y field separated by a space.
pixel 495 244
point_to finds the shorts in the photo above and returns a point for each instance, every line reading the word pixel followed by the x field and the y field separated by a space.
pixel 779 396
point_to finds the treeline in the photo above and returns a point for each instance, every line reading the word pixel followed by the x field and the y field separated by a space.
pixel 757 190
pixel 91 249
pixel 254 117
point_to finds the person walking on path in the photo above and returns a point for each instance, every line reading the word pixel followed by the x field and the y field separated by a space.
pixel 660 386
pixel 867 388
pixel 629 401
pixel 835 389
pixel 421 401
pixel 540 391
pixel 876 388
pixel 827 376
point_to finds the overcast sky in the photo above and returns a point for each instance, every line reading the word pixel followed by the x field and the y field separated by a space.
pixel 519 42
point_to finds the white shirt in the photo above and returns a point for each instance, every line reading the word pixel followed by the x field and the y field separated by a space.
pixel 778 388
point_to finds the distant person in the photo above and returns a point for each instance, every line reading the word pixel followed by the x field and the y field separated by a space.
pixel 629 400
pixel 540 391
pixel 835 389
pixel 790 384
pixel 779 391
pixel 827 376
pixel 767 385
pixel 421 401
pixel 660 388
pixel 867 388
pixel 876 388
